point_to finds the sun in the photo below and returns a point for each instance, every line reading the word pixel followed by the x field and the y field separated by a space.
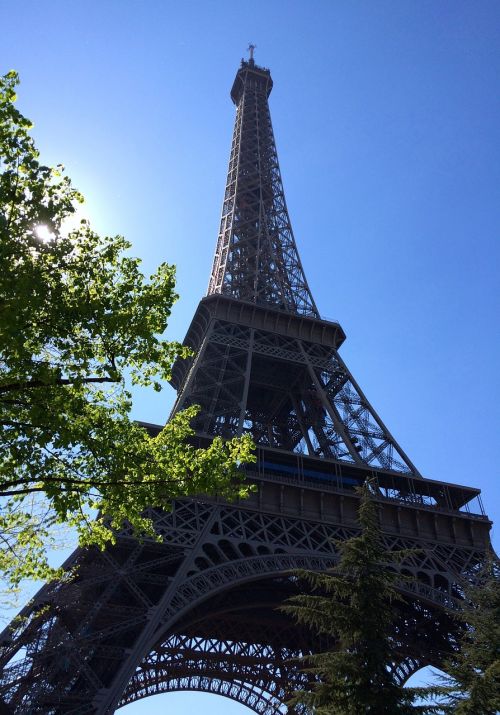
pixel 43 233
pixel 71 223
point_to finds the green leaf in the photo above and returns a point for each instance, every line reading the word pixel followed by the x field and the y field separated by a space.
pixel 77 320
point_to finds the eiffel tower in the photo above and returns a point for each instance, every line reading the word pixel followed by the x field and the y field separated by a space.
pixel 198 611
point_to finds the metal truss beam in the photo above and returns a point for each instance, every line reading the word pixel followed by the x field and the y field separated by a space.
pixel 256 258
pixel 85 645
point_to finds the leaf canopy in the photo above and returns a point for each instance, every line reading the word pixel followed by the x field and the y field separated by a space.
pixel 78 319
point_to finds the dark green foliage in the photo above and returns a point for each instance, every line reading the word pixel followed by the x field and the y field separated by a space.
pixel 472 686
pixel 355 606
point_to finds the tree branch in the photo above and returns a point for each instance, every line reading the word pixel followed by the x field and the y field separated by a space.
pixel 57 383
pixel 77 483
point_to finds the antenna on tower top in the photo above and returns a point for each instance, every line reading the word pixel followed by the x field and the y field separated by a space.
pixel 251 48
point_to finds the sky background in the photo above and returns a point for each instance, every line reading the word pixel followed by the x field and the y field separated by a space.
pixel 386 116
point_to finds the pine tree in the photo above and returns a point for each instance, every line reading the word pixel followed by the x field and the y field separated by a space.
pixel 472 684
pixel 355 606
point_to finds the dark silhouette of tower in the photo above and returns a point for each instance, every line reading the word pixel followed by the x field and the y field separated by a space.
pixel 198 612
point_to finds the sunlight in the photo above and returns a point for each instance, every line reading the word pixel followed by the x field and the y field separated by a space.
pixel 43 232
pixel 70 223
pixel 73 221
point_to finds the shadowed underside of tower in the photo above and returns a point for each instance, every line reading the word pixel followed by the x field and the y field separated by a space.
pixel 198 611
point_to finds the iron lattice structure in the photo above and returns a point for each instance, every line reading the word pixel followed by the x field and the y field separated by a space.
pixel 256 258
pixel 198 611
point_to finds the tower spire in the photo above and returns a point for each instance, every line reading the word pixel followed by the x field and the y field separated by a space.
pixel 256 258
pixel 251 48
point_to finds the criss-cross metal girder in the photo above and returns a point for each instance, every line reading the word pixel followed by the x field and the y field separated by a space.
pixel 265 361
pixel 279 377
pixel 256 257
pixel 199 610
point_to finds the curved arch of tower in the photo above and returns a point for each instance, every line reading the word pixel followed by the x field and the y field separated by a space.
pixel 199 611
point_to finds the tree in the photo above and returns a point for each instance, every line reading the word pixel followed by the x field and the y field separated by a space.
pixel 76 317
pixel 354 607
pixel 472 684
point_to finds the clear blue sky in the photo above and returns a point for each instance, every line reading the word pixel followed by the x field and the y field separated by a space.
pixel 386 116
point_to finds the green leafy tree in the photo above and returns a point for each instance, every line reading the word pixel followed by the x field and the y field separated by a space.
pixel 472 684
pixel 354 607
pixel 76 317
